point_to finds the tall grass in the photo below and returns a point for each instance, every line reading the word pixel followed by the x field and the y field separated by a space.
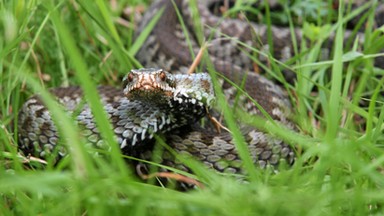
pixel 339 111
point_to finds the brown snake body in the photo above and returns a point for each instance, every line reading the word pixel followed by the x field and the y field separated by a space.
pixel 168 48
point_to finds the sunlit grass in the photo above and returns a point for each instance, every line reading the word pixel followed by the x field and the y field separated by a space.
pixel 338 109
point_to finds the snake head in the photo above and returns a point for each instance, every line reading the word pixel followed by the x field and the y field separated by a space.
pixel 149 84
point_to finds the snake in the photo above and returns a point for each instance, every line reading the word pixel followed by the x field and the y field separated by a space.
pixel 150 102
pixel 164 99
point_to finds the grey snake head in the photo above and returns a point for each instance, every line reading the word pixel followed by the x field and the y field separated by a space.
pixel 151 85
pixel 159 87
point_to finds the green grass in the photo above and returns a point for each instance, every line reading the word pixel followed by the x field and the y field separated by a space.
pixel 339 110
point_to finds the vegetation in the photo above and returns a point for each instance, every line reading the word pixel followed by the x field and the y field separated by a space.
pixel 338 104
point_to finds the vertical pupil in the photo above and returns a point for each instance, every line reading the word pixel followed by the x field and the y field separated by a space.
pixel 162 76
pixel 130 77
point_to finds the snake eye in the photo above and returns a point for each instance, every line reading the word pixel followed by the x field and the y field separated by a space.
pixel 130 77
pixel 162 76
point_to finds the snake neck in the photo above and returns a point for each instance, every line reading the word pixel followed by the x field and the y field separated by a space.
pixel 192 97
pixel 185 94
pixel 181 100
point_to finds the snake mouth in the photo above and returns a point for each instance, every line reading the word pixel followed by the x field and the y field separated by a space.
pixel 147 86
pixel 149 91
pixel 150 88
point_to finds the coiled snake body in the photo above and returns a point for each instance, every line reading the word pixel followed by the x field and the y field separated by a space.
pixel 150 103
pixel 137 117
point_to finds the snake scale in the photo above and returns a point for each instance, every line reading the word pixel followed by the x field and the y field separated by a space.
pixel 137 118
pixel 150 103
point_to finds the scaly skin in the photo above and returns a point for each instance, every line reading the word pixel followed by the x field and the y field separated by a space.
pixel 167 47
pixel 149 104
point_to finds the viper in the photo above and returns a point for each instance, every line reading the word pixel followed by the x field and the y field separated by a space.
pixel 164 100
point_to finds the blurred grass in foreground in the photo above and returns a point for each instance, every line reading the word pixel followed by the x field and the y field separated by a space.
pixel 55 43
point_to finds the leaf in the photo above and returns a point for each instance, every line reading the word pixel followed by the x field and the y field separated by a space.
pixel 352 55
pixel 313 32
